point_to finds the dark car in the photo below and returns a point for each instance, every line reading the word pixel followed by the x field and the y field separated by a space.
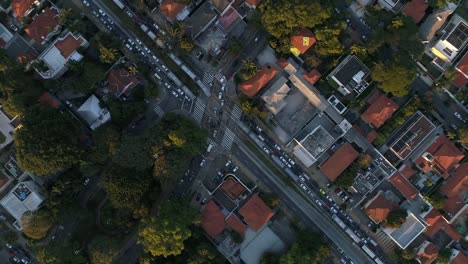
pixel 198 197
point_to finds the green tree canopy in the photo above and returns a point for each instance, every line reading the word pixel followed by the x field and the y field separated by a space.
pixel 437 200
pixel 186 44
pixel 102 249
pixel 444 256
pixel 106 143
pixel 134 153
pixel 36 224
pixel 396 218
pixel 308 248
pixel 463 135
pixel 48 141
pixel 393 78
pixel 165 235
pixel 108 55
pixel 327 39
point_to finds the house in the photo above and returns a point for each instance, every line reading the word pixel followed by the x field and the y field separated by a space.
pixel 53 62
pixel 458 257
pixel 426 253
pixel 339 161
pixel 21 8
pixel 350 75
pixel 380 206
pixel 379 111
pixel 6 130
pixel 256 213
pixel 170 9
pixel 49 100
pixel 407 232
pixel 25 196
pixel 461 76
pixel 236 224
pixel 5 35
pixel 253 3
pixel 391 5
pixel 201 19
pixel 302 41
pixel 252 86
pixel 442 157
pixel 453 40
pixel 92 112
pixel 436 222
pixel 212 219
pixel 43 25
pixel 312 76
pixel 416 9
pixel 435 21
pixel 455 188
pixel 274 96
pixel 233 188
pixel 121 82
pixel 403 186
pixel 222 5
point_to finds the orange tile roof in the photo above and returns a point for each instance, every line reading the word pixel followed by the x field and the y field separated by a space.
pixel 313 76
pixel 407 171
pixel 42 25
pixel 302 41
pixel 253 2
pixel 282 62
pixel 446 157
pixel 460 258
pixel 453 205
pixel 212 219
pixel 436 222
pixel 460 76
pixel 404 186
pixel 256 213
pixel 372 136
pixel 121 81
pixel 252 86
pixel 457 183
pixel 170 8
pixel 380 111
pixel 339 161
pixel 27 57
pixel 429 254
pixel 19 7
pixel 69 45
pixel 378 208
pixel 232 188
pixel 416 9
pixel 48 100
pixel 236 224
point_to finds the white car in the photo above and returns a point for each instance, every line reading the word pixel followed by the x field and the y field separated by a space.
pixel 229 162
pixel 220 95
pixel 202 163
pixel 86 181
pixel 303 187
pixel 175 94
pixel 302 179
pixel 101 12
pixel 164 67
pixel 86 3
pixel 235 169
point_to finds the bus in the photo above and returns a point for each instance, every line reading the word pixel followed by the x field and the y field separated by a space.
pixel 119 4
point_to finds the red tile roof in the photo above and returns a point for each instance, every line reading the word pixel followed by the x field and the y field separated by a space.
pixel 461 76
pixel 254 3
pixel 460 258
pixel 457 183
pixel 282 62
pixel 48 100
pixel 404 186
pixel 313 76
pixel 302 41
pixel 256 213
pixel 436 222
pixel 445 157
pixel 69 45
pixel 378 208
pixel 252 86
pixel 121 81
pixel 339 161
pixel 19 7
pixel 453 205
pixel 379 111
pixel 42 25
pixel 407 171
pixel 212 219
pixel 236 224
pixel 372 136
pixel 27 57
pixel 429 254
pixel 170 8
pixel 416 9
pixel 232 188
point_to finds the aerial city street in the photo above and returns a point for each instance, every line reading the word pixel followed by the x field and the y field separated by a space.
pixel 233 131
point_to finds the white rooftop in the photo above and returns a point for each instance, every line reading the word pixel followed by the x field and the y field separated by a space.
pixel 22 198
pixel 92 112
pixel 408 232
pixel 6 128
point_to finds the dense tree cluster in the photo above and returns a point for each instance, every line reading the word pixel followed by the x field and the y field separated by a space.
pixel 36 224
pixel 396 218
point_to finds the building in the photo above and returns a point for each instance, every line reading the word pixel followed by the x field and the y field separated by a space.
pixel 458 257
pixel 380 110
pixel 350 75
pixel 171 9
pixel 6 130
pixel 302 41
pixel 121 82
pixel 222 6
pixel 236 224
pixel 454 37
pixel 312 76
pixel 21 8
pixel 44 25
pixel 5 35
pixel 403 186
pixel 436 222
pixel 53 62
pixel 212 219
pixel 391 5
pixel 455 188
pixel 313 145
pixel 380 206
pixel 256 213
pixel 410 135
pixel 201 19
pixel 25 196
pixel 274 96
pixel 416 9
pixel 253 3
pixel 339 161
pixel 426 253
pixel 442 157
pixel 252 86
pixel 408 232
pixel 92 112
pixel 461 76
pixel 435 21
pixel 234 189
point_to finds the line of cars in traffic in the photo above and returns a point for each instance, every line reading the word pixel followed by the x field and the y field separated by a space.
pixel 17 254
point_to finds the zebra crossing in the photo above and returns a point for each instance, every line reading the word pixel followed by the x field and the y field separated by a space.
pixel 236 112
pixel 385 242
pixel 228 139
pixel 198 110
pixel 219 76
pixel 158 110
pixel 208 78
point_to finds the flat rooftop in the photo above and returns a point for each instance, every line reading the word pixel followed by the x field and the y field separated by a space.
pixel 317 141
pixel 408 232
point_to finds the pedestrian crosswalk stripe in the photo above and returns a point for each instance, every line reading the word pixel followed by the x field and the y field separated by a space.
pixel 228 139
pixel 198 110
pixel 236 112
pixel 158 110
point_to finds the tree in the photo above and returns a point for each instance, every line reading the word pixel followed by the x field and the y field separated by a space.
pixel 396 218
pixel 436 199
pixel 59 252
pixel 48 141
pixel 108 55
pixel 186 44
pixel 126 186
pixel 123 112
pixel 84 76
pixel 444 255
pixel 280 18
pixel 236 47
pixel 248 70
pixel 358 50
pixel 439 3
pixel 106 140
pixel 165 235
pixel 346 179
pixel 36 224
pixel 312 61
pixel 271 199
pixel 269 258
pixel 102 249
pixel 327 39
pixel 65 17
pixel 393 78
pixel 308 248
pixel 463 135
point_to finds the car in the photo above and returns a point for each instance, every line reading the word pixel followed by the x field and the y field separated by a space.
pixel 175 94
pixel 179 91
pixel 9 246
pixel 318 202
pixel 128 13
pixel 228 163
pixel 266 150
pixel 337 190
pixel 199 55
pixel 95 13
pixel 203 202
pixel 364 38
pixel 202 163
pixel 86 181
pixel 138 41
pixel 256 39
pixel 235 169
pixel 303 187
pixel 277 147
pixel 101 12
pixel 454 126
pixel 222 102
pixel 146 48
pixel 457 115
pixel 164 67
pixel 322 191
pixel 337 10
pixel 259 129
pixel 223 88
pixel 158 69
pixel 302 179
pixel 187 98
pixel 291 161
pixel 197 198
pixel 15 260
pixel 220 95
pixel 156 26
pixel 167 85
pixel 86 3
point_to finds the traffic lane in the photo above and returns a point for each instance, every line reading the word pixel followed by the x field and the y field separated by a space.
pixel 295 202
